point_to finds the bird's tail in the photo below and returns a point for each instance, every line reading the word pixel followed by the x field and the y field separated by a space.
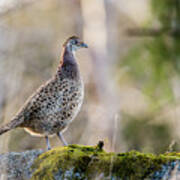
pixel 16 122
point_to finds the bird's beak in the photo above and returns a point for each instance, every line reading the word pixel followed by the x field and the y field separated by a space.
pixel 82 44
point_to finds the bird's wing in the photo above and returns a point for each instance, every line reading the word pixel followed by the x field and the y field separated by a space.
pixel 35 102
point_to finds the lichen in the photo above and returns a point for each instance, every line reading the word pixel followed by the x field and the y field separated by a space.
pixel 88 162
pixel 17 165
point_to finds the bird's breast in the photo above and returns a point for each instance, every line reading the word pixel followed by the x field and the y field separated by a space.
pixel 69 100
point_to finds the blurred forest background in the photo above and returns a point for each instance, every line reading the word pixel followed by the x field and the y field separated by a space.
pixel 131 69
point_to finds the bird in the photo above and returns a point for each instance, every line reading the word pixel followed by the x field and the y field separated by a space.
pixel 56 103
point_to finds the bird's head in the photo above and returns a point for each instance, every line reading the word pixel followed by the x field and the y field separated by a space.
pixel 74 43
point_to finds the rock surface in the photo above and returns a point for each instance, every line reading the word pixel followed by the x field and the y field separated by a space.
pixel 17 166
pixel 88 162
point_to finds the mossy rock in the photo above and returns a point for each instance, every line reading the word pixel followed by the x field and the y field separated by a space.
pixel 87 162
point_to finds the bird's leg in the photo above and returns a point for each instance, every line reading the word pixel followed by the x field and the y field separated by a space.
pixel 62 139
pixel 47 143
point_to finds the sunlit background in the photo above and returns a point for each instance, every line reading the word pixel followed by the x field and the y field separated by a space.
pixel 131 69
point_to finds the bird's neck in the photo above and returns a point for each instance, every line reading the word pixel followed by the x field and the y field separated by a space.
pixel 67 57
pixel 68 66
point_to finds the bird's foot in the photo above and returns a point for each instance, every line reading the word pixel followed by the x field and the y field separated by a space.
pixel 47 143
pixel 62 139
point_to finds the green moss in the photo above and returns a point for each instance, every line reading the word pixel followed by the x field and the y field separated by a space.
pixel 78 162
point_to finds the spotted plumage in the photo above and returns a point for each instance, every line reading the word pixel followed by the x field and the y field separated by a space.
pixel 55 104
